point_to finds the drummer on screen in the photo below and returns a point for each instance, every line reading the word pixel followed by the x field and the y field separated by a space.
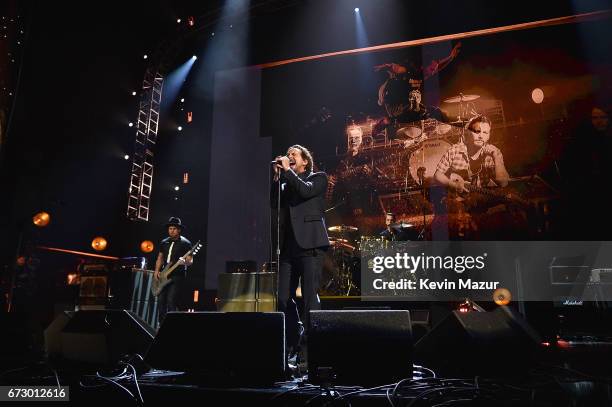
pixel 395 231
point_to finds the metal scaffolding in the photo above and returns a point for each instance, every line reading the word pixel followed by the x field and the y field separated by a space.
pixel 141 179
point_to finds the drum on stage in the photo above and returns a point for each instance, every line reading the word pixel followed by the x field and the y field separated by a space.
pixel 370 245
pixel 427 156
pixel 341 269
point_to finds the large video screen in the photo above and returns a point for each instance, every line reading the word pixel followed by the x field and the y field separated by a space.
pixel 490 137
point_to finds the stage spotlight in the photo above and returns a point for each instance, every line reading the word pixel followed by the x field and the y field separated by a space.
pixel 134 93
pixel 145 56
pixel 72 279
pixel 178 20
pixel 41 219
pixel 180 128
pixel 99 243
pixel 213 34
pixel 130 124
pixel 182 100
pixel 147 246
pixel 176 187
pixel 356 9
pixel 502 296
pixel 537 95
pixel 126 157
pixel 191 21
pixel 194 57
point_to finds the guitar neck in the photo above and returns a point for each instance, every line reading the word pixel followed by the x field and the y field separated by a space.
pixel 500 194
pixel 484 191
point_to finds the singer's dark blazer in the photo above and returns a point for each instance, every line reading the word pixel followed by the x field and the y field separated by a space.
pixel 302 203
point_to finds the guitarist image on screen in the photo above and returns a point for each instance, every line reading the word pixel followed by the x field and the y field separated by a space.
pixel 172 250
pixel 471 164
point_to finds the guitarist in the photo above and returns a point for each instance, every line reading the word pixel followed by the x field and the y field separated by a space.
pixel 171 250
pixel 472 160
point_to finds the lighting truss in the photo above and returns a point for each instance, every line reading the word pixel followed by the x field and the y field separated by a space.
pixel 141 178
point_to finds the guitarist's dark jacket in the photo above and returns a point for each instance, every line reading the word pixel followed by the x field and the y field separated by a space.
pixel 302 204
pixel 180 247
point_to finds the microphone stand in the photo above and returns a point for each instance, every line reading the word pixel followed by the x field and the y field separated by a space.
pixel 278 208
pixel 421 176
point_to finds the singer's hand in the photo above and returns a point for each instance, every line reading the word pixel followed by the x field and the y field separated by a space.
pixel 285 163
pixel 277 167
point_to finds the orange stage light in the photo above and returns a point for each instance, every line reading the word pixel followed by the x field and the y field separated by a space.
pixel 502 296
pixel 72 279
pixel 147 246
pixel 41 219
pixel 99 243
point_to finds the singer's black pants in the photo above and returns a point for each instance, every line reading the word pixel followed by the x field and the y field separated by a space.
pixel 298 264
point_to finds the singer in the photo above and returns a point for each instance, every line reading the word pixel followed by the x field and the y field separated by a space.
pixel 302 238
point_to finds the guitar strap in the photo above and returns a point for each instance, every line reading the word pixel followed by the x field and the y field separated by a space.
pixel 170 252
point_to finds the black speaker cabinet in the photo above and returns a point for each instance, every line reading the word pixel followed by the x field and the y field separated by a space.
pixel 498 343
pixel 16 339
pixel 99 337
pixel 361 347
pixel 222 347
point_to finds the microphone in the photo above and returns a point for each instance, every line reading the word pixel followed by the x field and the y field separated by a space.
pixel 279 161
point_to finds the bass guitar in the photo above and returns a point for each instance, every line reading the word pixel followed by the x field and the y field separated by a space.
pixel 164 276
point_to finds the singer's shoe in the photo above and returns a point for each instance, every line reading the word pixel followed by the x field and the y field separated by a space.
pixel 295 359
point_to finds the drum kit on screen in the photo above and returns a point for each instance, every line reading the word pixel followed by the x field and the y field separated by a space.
pixel 428 140
pixel 433 138
pixel 422 144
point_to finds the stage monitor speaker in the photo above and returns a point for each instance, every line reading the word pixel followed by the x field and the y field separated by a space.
pixel 360 347
pixel 222 347
pixel 247 292
pixel 17 344
pixel 97 337
pixel 498 343
pixel 53 334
